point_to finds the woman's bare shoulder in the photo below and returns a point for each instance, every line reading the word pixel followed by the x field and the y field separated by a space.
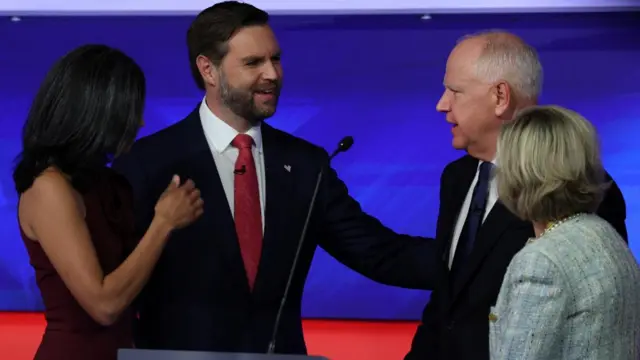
pixel 50 191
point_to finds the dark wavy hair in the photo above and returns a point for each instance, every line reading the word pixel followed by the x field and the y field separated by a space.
pixel 87 111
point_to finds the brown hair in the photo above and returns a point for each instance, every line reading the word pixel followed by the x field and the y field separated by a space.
pixel 211 30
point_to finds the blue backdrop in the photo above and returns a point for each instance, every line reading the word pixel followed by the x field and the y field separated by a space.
pixel 374 77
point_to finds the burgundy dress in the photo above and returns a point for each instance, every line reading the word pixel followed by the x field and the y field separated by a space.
pixel 71 334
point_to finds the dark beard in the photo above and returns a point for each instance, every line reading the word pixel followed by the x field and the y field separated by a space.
pixel 241 103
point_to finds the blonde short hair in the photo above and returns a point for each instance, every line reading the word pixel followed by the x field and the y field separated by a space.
pixel 549 165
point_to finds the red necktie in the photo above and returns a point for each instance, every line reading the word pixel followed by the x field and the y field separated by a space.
pixel 247 213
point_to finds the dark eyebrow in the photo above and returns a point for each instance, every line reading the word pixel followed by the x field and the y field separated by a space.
pixel 250 59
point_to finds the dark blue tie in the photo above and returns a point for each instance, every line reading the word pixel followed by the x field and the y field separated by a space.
pixel 474 217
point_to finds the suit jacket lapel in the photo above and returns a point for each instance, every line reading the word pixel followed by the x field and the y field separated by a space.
pixel 279 181
pixel 217 220
pixel 496 223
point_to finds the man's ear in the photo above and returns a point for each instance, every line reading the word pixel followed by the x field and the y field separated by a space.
pixel 207 70
pixel 501 98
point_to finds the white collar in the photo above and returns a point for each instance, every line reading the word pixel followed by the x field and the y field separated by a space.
pixel 220 133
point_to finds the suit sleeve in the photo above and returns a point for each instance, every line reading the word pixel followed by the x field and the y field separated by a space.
pixel 365 245
pixel 613 209
pixel 531 310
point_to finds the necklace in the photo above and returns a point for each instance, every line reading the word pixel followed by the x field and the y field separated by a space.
pixel 554 224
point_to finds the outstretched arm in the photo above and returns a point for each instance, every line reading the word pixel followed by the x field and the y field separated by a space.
pixel 365 245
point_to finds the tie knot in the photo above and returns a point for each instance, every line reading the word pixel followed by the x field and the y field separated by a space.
pixel 485 170
pixel 242 141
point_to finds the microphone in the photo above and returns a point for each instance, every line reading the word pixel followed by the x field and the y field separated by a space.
pixel 240 171
pixel 344 145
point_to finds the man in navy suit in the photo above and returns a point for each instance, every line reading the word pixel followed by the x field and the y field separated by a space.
pixel 219 282
pixel 489 77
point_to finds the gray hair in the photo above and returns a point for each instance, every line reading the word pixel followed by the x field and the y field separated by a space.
pixel 507 57
pixel 549 165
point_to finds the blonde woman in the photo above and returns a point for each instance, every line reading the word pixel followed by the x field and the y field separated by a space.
pixel 573 292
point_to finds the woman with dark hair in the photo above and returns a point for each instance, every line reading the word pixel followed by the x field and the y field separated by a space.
pixel 76 214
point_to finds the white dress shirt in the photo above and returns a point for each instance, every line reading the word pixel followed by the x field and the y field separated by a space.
pixel 219 137
pixel 464 210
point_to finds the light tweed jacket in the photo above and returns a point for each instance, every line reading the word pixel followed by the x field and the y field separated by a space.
pixel 573 293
